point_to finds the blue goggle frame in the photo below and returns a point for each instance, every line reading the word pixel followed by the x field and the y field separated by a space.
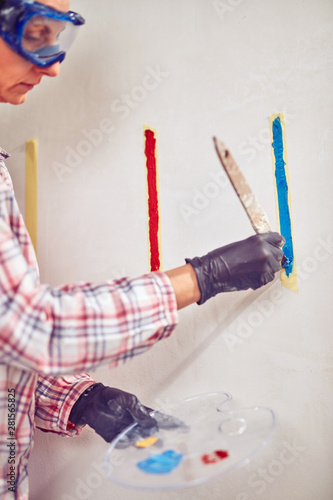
pixel 14 17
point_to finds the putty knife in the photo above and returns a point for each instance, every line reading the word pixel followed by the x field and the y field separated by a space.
pixel 254 210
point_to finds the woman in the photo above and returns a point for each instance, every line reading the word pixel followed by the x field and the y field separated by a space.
pixel 48 335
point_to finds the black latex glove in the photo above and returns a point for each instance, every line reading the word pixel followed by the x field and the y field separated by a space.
pixel 250 263
pixel 110 411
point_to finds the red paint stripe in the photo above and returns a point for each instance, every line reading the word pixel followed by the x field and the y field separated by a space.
pixel 153 207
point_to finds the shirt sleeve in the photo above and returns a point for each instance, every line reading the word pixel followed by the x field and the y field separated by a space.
pixel 55 398
pixel 75 327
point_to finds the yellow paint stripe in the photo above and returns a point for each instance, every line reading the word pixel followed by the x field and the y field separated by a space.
pixel 291 280
pixel 31 190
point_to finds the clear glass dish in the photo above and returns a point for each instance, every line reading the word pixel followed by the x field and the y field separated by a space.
pixel 210 441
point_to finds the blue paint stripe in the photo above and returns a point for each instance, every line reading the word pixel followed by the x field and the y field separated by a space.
pixel 282 191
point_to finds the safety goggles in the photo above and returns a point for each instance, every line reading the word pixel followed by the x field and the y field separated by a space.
pixel 39 33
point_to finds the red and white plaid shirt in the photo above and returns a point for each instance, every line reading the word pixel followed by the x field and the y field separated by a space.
pixel 49 335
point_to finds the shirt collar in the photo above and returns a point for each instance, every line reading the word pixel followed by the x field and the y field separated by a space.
pixel 3 154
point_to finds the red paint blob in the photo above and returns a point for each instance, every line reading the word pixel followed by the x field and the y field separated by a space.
pixel 222 454
pixel 153 209
pixel 214 457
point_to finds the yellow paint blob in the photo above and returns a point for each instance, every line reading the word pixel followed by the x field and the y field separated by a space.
pixel 146 442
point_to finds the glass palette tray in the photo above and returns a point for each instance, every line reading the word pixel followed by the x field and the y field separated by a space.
pixel 204 441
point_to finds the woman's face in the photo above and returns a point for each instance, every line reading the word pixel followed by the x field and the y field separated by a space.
pixel 17 75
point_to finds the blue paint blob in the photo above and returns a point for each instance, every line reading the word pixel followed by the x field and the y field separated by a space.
pixel 163 463
pixel 282 191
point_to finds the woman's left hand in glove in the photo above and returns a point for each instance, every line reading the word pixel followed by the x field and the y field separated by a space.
pixel 110 411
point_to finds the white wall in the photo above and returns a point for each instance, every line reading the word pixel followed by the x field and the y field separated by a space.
pixel 224 73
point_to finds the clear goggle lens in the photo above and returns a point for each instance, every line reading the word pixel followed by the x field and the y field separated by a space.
pixel 46 38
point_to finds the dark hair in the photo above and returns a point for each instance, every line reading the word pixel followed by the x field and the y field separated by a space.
pixel 9 11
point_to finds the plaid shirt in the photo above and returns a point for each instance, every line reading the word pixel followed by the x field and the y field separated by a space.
pixel 47 334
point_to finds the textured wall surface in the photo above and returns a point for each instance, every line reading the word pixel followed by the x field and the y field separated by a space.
pixel 193 69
